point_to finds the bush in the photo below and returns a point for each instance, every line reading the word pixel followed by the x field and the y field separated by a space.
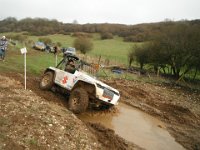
pixel 129 39
pixel 18 37
pixel 135 38
pixel 82 34
pixel 58 44
pixel 106 35
pixel 45 40
pixel 140 54
pixel 83 44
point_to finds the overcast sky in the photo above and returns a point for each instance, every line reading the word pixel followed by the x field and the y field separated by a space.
pixel 102 11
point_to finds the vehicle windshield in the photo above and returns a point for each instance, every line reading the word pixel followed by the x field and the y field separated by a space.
pixel 80 65
pixel 39 43
pixel 71 49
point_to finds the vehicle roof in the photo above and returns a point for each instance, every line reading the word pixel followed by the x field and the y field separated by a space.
pixel 39 43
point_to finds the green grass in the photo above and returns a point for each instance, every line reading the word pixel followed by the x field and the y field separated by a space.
pixel 129 76
pixel 65 40
pixel 113 49
pixel 32 141
pixel 36 61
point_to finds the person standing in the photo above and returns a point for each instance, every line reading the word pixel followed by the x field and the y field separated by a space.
pixel 55 50
pixel 3 47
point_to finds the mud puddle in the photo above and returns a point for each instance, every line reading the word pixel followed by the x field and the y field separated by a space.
pixel 135 126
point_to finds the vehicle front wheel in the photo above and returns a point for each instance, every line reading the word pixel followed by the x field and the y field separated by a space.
pixel 46 82
pixel 78 100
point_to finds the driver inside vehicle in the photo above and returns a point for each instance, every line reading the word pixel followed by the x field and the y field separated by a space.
pixel 70 66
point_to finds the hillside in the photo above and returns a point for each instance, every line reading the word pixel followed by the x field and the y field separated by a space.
pixel 29 121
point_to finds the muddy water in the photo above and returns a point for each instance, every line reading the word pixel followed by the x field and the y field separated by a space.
pixel 137 127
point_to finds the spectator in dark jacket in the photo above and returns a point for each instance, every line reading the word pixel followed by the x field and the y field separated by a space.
pixel 55 50
pixel 3 47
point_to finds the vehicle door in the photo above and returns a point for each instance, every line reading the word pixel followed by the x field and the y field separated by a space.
pixel 63 78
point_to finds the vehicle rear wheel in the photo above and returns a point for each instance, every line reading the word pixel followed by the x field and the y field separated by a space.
pixel 46 82
pixel 78 100
pixel 105 107
pixel 108 106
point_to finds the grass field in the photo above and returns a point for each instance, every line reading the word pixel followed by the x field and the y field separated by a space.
pixel 36 61
pixel 113 49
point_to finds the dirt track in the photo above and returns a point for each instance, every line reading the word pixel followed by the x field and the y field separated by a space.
pixel 176 106
pixel 27 121
pixel 35 119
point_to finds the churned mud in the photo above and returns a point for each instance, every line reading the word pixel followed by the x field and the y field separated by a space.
pixel 177 107
pixel 135 126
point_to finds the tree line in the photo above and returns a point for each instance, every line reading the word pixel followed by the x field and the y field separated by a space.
pixel 43 26
pixel 174 51
pixel 173 47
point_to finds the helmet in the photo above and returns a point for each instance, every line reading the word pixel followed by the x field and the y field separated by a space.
pixel 3 37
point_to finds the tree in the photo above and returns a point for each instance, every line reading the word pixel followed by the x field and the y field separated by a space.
pixel 75 22
pixel 131 56
pixel 177 46
pixel 18 37
pixel 83 44
pixel 106 35
pixel 141 54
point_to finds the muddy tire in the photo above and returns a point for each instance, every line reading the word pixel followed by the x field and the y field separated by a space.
pixel 78 100
pixel 105 107
pixel 46 82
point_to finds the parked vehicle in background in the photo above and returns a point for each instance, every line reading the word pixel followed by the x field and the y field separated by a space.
pixel 69 51
pixel 49 49
pixel 39 46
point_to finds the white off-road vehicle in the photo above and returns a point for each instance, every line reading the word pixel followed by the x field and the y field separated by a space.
pixel 84 89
